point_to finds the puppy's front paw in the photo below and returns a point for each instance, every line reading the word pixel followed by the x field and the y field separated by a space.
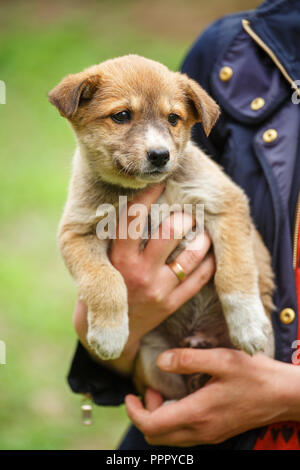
pixel 253 340
pixel 249 327
pixel 108 342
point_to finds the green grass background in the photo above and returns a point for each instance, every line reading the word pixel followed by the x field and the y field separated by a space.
pixel 40 42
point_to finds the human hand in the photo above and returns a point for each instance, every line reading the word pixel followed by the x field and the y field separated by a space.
pixel 154 291
pixel 244 393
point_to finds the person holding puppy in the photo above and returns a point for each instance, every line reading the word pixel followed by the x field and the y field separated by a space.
pixel 249 64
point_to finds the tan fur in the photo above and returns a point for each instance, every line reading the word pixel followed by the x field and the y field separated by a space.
pixel 111 160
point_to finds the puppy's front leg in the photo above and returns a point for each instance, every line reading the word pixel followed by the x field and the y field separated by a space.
pixel 236 277
pixel 103 289
pixel 227 219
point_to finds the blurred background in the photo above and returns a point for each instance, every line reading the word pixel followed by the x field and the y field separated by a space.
pixel 40 42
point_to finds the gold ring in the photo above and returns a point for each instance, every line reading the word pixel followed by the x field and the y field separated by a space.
pixel 177 270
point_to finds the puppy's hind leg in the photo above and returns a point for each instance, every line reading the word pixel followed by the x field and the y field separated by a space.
pixel 147 374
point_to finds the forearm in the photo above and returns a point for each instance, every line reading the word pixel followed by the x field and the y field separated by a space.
pixel 124 365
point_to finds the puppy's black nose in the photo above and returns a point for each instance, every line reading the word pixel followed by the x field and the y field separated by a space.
pixel 158 157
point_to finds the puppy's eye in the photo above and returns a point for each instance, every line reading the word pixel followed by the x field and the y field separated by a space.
pixel 122 117
pixel 173 119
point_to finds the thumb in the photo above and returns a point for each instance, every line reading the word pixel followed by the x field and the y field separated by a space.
pixel 189 361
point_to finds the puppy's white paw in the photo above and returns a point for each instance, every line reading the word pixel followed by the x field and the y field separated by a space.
pixel 108 343
pixel 251 341
pixel 249 327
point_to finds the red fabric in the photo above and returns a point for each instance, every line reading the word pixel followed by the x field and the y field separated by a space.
pixel 284 436
pixel 281 436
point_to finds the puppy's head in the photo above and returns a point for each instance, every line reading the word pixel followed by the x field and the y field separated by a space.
pixel 132 117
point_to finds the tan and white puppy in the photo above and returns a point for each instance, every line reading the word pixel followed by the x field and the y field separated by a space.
pixel 132 119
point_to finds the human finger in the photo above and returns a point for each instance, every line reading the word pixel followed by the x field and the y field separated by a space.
pixel 153 399
pixel 215 361
pixel 192 284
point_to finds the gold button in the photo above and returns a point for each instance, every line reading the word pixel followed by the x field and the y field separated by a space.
pixel 225 73
pixel 257 103
pixel 270 135
pixel 287 315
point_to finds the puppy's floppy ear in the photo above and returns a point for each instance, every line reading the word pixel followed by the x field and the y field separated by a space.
pixel 204 108
pixel 72 91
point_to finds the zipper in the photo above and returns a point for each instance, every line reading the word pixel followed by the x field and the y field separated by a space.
pixel 263 45
pixel 296 263
pixel 86 410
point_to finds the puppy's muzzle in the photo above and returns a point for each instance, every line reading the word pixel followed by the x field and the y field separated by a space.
pixel 158 157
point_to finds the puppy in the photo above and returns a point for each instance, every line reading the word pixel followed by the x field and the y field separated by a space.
pixel 132 119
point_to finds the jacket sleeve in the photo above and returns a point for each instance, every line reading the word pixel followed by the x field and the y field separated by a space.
pixel 106 387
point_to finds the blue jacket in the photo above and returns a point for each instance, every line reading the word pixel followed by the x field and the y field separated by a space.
pixel 269 172
pixel 264 55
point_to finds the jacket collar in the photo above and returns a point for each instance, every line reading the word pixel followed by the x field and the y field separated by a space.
pixel 277 23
